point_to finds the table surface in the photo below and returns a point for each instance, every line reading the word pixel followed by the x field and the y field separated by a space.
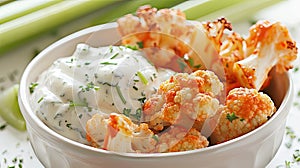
pixel 15 147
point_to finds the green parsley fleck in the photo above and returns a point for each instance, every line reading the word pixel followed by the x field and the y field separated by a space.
pixel 296 69
pixel 182 64
pixel 135 88
pixel 131 47
pixel 291 135
pixel 142 100
pixel 120 94
pixel 108 63
pixel 69 125
pixel 126 112
pixel 3 126
pixel 138 114
pixel 142 77
pixel 89 86
pixel 114 56
pixel 73 104
pixel 140 44
pixel 32 86
pixel 296 155
pixel 40 99
pixel 231 117
pixel 155 137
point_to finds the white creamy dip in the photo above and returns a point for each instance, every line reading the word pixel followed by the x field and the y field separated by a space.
pixel 94 80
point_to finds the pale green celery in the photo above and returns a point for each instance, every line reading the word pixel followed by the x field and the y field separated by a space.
pixel 196 8
pixel 9 108
pixel 233 10
pixel 18 9
pixel 113 12
pixel 12 33
pixel 243 10
pixel 3 2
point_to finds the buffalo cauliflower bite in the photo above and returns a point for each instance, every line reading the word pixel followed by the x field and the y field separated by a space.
pixel 245 110
pixel 268 45
pixel 168 39
pixel 183 100
pixel 248 61
pixel 176 139
pixel 117 132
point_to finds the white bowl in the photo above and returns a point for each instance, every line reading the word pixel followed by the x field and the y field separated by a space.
pixel 254 149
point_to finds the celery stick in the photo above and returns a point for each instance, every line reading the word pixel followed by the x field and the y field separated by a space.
pixel 197 8
pixel 41 21
pixel 242 10
pixel 113 12
pixel 9 108
pixel 17 9
pixel 231 9
pixel 3 2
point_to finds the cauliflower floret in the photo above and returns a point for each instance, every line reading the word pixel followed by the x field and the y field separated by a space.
pixel 245 110
pixel 184 99
pixel 232 51
pixel 118 133
pixel 248 61
pixel 176 139
pixel 268 45
pixel 143 140
pixel 168 39
pixel 215 31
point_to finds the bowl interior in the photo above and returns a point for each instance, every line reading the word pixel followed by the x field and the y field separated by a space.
pixel 105 35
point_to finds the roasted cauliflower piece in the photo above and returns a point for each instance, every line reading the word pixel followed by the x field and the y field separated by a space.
pixel 183 100
pixel 245 110
pixel 168 39
pixel 268 45
pixel 118 133
pixel 176 139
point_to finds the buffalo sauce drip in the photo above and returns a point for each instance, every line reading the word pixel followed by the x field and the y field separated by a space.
pixel 112 130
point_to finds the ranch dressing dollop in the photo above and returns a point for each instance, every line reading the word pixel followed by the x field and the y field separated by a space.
pixel 94 80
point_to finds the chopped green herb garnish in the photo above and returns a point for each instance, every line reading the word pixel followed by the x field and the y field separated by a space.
pixel 296 69
pixel 114 56
pixel 32 87
pixel 111 49
pixel 296 155
pixel 87 63
pixel 142 100
pixel 231 117
pixel 182 64
pixel 120 94
pixel 126 112
pixel 69 125
pixel 140 44
pixel 89 87
pixel 298 94
pixel 142 77
pixel 135 88
pixel 197 66
pixel 291 135
pixel 73 104
pixel 138 114
pixel 155 137
pixel 40 99
pixel 71 60
pixel 131 47
pixel 108 63
pixel 2 127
